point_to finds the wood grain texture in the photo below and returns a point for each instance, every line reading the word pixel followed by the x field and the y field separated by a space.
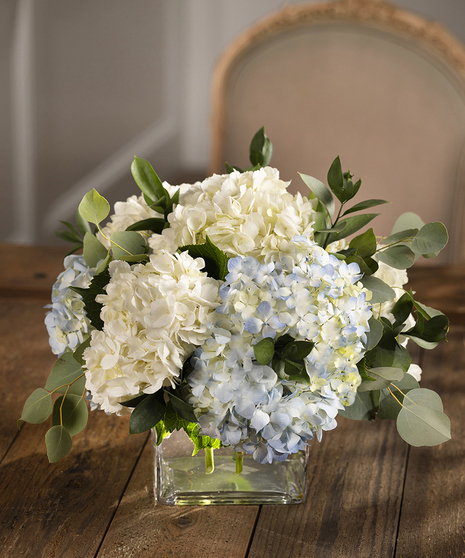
pixel 30 271
pixel 433 511
pixel 352 508
pixel 25 360
pixel 141 528
pixel 64 509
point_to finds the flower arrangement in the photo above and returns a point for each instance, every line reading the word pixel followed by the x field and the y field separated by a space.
pixel 241 313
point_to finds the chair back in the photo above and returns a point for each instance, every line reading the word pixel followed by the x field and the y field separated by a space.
pixel 362 79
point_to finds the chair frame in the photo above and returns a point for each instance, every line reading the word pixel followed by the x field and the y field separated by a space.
pixel 375 13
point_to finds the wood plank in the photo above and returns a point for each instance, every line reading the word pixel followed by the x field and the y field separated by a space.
pixel 352 508
pixel 25 360
pixel 144 529
pixel 29 270
pixel 442 288
pixel 64 509
pixel 433 511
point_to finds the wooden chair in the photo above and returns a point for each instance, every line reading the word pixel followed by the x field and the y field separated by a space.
pixel 362 79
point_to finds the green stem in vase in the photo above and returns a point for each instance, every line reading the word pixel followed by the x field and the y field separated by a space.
pixel 209 461
pixel 239 462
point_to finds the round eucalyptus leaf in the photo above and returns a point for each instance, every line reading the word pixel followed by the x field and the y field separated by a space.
pixel 423 426
pixel 71 412
pixel 430 238
pixel 58 442
pixel 127 243
pixel 38 407
pixel 94 207
pixel 381 291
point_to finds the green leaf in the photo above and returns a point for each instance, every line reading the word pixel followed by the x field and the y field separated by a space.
pixel 401 236
pixel 71 412
pixel 134 401
pixel 154 224
pixel 429 333
pixel 216 261
pixel 92 307
pixel 38 407
pixel 69 236
pixel 336 180
pixel 58 442
pixel 421 421
pixel 381 291
pixel 407 220
pixel 389 408
pixel 147 180
pixel 352 225
pixel 94 250
pixel 79 350
pixel 104 264
pixel 367 204
pixel 399 257
pixel 382 377
pixel 389 353
pixel 147 413
pixel 82 225
pixel 363 408
pixel 402 310
pixel 264 351
pixel 321 192
pixel 430 239
pixel 66 371
pixel 261 149
pixel 183 409
pixel 364 244
pixel 297 350
pixel 94 207
pixel 127 243
pixel 374 334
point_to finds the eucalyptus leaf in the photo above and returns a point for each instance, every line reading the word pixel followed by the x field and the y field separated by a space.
pixel 363 408
pixel 147 180
pixel 401 236
pixel 94 207
pixel 382 377
pixel 94 250
pixel 421 421
pixel 399 256
pixel 71 412
pixel 321 192
pixel 407 220
pixel 430 238
pixel 374 334
pixel 264 351
pixel 127 243
pixel 381 291
pixel 389 406
pixel 65 371
pixel 58 442
pixel 38 407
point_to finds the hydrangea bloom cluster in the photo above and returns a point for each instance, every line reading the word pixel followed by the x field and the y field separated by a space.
pixel 249 213
pixel 154 316
pixel 310 295
pixel 66 322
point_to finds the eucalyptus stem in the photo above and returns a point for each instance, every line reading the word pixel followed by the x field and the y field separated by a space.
pixel 209 461
pixel 239 462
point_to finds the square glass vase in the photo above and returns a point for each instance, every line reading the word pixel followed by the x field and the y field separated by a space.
pixel 182 479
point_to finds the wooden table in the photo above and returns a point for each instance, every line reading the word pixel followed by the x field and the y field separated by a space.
pixel 370 495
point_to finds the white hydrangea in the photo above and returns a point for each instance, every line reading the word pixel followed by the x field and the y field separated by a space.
pixel 310 295
pixel 249 213
pixel 67 323
pixel 154 316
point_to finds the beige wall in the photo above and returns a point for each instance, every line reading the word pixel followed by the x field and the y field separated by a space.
pixel 87 84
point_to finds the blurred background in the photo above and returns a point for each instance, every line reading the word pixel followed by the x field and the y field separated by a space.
pixel 87 84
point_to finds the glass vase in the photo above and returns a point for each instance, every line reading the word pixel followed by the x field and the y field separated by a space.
pixel 227 478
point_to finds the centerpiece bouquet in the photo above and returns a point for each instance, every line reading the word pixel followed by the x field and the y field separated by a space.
pixel 245 315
